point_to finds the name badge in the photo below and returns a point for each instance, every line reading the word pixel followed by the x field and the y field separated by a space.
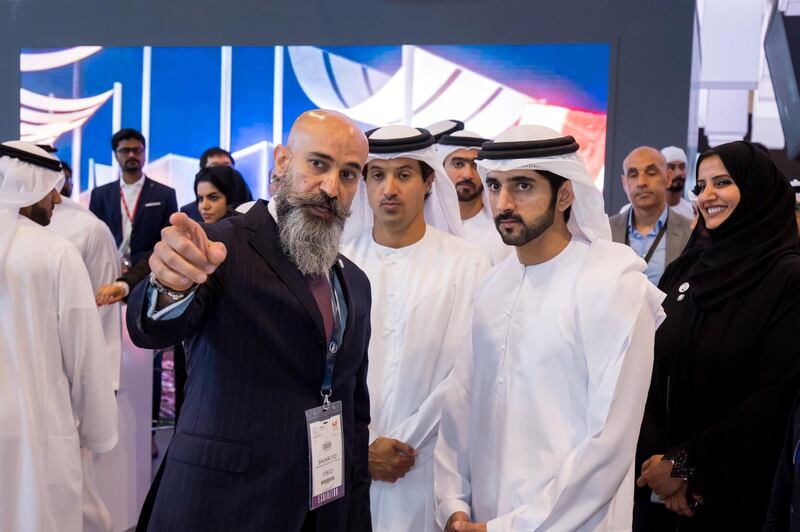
pixel 325 454
pixel 152 204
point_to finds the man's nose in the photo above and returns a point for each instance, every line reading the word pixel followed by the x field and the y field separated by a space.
pixel 390 187
pixel 330 184
pixel 503 201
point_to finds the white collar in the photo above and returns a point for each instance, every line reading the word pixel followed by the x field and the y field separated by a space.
pixel 138 184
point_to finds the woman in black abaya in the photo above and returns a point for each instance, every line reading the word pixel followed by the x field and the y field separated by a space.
pixel 727 366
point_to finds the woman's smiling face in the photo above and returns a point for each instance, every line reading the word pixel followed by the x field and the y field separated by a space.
pixel 718 193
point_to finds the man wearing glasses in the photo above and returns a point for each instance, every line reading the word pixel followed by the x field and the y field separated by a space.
pixel 135 207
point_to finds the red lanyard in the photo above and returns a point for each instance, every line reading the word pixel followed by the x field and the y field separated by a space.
pixel 125 205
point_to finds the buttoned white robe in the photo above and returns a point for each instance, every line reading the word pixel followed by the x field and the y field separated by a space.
pixel 539 431
pixel 421 320
pixel 56 392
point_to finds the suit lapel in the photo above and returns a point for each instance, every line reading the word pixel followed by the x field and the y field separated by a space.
pixel 144 197
pixel 263 237
pixel 348 328
pixel 116 212
pixel 673 239
pixel 619 224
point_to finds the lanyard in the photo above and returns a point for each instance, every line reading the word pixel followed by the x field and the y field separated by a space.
pixel 333 344
pixel 125 205
pixel 654 245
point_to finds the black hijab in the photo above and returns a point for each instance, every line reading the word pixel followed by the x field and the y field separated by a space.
pixel 761 230
pixel 229 181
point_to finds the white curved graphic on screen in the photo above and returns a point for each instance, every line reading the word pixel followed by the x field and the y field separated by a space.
pixel 45 118
pixel 441 90
pixel 61 105
pixel 32 116
pixel 34 62
pixel 351 83
pixel 41 132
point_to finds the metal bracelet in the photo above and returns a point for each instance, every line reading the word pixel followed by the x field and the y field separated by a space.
pixel 681 468
pixel 175 295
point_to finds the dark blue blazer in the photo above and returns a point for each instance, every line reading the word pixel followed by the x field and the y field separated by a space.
pixel 157 202
pixel 192 211
pixel 255 361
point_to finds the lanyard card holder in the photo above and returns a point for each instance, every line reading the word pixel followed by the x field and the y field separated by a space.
pixel 325 454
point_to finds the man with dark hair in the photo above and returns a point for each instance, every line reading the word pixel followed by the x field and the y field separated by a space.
pixel 677 163
pixel 215 156
pixel 539 424
pixel 134 207
pixel 441 201
pixel 457 153
pixel 422 281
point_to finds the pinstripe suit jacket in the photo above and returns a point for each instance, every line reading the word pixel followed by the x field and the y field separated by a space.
pixel 256 358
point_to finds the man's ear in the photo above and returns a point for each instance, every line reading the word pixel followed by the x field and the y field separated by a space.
pixel 565 197
pixel 428 189
pixel 282 158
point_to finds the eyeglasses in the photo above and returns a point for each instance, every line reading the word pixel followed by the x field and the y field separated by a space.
pixel 132 151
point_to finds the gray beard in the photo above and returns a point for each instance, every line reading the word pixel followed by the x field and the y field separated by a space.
pixel 310 242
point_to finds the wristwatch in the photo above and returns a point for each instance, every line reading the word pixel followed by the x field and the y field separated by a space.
pixel 175 295
pixel 681 468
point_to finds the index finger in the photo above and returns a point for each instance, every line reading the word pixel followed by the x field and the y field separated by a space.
pixel 182 222
pixel 189 246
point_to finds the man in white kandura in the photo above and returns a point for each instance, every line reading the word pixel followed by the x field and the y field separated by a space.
pixel 676 175
pixel 96 245
pixel 423 280
pixel 539 427
pixel 441 208
pixel 56 391
pixel 457 153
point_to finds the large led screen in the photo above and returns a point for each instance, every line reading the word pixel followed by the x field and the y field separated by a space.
pixel 245 99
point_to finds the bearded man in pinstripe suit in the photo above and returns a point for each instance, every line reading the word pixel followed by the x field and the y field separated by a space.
pixel 253 297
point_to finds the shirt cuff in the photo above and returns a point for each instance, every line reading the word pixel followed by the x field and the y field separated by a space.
pixel 373 436
pixel 448 508
pixel 100 447
pixel 169 312
pixel 125 287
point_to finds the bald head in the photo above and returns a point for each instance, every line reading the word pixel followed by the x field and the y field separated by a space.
pixel 323 122
pixel 326 153
pixel 644 179
pixel 647 153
